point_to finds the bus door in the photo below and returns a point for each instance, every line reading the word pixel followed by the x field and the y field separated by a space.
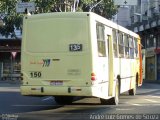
pixel 110 66
pixel 109 60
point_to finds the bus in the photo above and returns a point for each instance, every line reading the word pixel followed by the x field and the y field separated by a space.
pixel 70 54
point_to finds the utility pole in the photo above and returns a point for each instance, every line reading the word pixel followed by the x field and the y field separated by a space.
pixel 95 5
pixel 75 5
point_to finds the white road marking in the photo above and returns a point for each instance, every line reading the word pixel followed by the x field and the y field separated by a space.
pixel 136 104
pixel 154 96
pixel 153 101
pixel 35 105
pixel 124 109
pixel 48 98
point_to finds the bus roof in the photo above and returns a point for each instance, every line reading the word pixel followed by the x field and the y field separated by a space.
pixel 97 17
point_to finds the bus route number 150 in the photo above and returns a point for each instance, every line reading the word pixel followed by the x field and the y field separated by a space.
pixel 35 74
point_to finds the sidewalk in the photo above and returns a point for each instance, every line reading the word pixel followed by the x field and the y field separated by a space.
pixel 9 86
pixel 148 85
pixel 152 81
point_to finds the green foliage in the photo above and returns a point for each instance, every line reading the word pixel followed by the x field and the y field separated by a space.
pixel 108 9
pixel 13 20
pixel 44 6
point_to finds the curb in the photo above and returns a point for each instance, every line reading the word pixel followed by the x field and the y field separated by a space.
pixel 150 81
pixel 10 83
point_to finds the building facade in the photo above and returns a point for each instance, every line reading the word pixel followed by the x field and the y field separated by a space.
pixel 145 20
pixel 10 59
pixel 123 16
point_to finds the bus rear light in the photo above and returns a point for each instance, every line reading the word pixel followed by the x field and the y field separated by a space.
pixel 93 76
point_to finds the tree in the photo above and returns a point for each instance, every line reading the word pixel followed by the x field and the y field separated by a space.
pixel 105 8
pixel 13 20
pixel 9 17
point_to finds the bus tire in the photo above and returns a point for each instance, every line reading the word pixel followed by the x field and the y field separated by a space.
pixel 133 91
pixel 63 100
pixel 114 100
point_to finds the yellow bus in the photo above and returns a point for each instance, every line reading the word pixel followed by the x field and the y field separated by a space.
pixel 79 54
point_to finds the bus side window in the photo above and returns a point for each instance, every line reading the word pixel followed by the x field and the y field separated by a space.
pixel 114 34
pixel 131 48
pixel 101 40
pixel 121 45
pixel 126 44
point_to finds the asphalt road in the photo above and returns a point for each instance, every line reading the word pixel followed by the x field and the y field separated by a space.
pixel 145 105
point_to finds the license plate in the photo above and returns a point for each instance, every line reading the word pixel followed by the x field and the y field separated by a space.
pixel 56 83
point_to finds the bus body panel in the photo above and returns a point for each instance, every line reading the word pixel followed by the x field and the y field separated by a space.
pixel 52 66
pixel 52 58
